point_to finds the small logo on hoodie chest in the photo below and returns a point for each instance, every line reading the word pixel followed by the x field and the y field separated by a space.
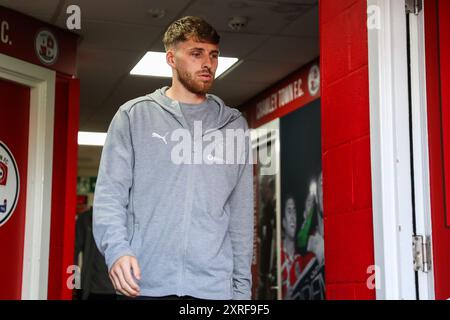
pixel 158 136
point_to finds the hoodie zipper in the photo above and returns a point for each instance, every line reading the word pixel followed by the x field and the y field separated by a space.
pixel 187 221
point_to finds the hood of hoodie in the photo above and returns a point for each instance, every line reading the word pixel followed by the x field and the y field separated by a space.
pixel 226 114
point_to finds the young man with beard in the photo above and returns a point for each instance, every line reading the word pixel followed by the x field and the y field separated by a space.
pixel 168 229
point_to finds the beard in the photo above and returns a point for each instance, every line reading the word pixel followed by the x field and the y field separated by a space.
pixel 193 85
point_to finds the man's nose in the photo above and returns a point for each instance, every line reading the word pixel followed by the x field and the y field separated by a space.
pixel 207 62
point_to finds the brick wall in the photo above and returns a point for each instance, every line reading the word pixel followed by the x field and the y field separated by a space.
pixel 346 148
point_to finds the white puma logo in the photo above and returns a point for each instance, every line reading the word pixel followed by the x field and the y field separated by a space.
pixel 155 135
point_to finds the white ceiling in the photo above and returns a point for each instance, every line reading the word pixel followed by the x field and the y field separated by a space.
pixel 281 36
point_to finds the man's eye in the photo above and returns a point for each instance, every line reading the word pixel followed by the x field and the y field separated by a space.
pixel 196 54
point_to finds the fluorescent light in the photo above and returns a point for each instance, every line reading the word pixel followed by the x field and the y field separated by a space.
pixel 155 64
pixel 91 138
pixel 225 64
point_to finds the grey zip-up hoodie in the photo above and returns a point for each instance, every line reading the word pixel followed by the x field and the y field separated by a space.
pixel 190 226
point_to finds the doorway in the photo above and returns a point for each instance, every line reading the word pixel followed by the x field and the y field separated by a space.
pixel 27 228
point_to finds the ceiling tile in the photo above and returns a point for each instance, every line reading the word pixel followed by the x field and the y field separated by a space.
pixel 239 45
pixel 114 36
pixel 36 9
pixel 262 19
pixel 306 25
pixel 234 98
pixel 133 12
pixel 287 49
pixel 261 71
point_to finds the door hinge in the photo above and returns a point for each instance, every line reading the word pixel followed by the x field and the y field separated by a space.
pixel 414 6
pixel 422 253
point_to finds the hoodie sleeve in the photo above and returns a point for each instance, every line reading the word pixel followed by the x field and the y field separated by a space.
pixel 241 227
pixel 112 191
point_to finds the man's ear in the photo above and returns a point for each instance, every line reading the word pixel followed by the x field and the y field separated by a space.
pixel 170 58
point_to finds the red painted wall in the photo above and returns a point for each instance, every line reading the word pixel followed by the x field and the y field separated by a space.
pixel 437 48
pixel 62 233
pixel 349 249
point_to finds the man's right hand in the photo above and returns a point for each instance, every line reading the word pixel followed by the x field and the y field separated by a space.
pixel 121 275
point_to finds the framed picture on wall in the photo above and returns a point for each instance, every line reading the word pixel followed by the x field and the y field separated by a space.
pixel 302 231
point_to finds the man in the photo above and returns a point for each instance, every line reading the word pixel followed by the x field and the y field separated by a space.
pixel 95 283
pixel 173 221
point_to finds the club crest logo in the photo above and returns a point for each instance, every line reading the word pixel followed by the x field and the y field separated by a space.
pixel 9 184
pixel 314 80
pixel 46 47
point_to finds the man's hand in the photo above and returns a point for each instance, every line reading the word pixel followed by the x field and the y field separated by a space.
pixel 121 275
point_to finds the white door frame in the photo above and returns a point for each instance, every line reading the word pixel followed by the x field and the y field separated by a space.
pixel 41 82
pixel 390 151
pixel 420 145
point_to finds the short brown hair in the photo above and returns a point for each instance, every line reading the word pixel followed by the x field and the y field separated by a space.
pixel 190 27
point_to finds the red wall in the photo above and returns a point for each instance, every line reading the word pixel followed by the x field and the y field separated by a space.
pixel 438 81
pixel 348 231
pixel 62 232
